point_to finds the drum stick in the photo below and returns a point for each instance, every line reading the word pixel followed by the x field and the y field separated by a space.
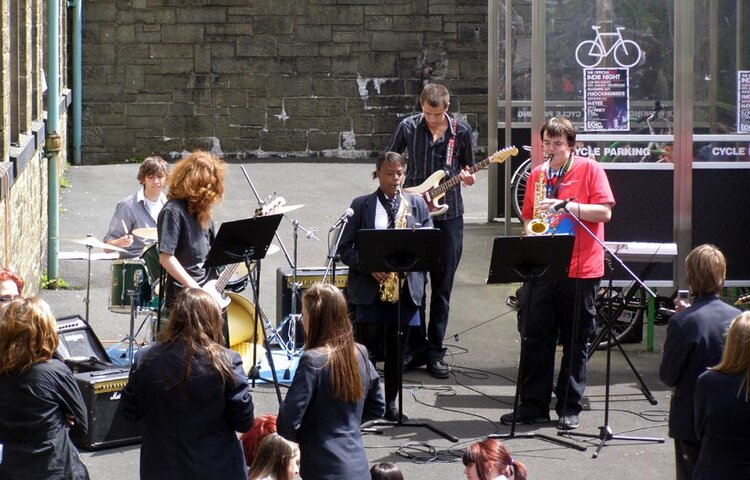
pixel 125 227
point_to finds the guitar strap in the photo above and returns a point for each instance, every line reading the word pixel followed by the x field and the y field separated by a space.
pixel 451 146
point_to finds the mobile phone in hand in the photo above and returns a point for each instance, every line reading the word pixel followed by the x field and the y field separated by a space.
pixel 683 295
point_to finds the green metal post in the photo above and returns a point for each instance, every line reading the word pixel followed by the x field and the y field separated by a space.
pixel 53 134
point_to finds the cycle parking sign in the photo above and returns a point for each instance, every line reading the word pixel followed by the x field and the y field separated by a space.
pixel 626 53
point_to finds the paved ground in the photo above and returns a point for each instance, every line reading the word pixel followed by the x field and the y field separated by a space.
pixel 483 342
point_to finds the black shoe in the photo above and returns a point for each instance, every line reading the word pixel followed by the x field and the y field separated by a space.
pixel 391 413
pixel 411 362
pixel 507 419
pixel 568 422
pixel 438 369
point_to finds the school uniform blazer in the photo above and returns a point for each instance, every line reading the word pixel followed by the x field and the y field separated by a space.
pixel 722 424
pixel 189 431
pixel 361 288
pixel 695 340
pixel 327 428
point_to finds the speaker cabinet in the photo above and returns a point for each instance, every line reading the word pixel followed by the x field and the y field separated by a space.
pixel 107 428
pixel 305 277
pixel 79 346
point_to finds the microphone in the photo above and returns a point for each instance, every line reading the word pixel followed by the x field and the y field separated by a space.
pixel 342 219
pixel 562 205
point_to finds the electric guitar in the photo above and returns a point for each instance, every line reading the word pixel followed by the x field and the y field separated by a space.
pixel 216 287
pixel 432 190
pixel 743 300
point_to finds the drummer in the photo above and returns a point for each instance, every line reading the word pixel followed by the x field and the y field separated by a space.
pixel 139 210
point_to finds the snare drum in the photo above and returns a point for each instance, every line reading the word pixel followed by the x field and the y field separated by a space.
pixel 126 276
pixel 238 281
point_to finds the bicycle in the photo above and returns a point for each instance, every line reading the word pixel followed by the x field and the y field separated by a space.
pixel 656 152
pixel 626 53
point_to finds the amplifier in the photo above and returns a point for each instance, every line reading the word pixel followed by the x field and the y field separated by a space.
pixel 305 277
pixel 79 346
pixel 107 428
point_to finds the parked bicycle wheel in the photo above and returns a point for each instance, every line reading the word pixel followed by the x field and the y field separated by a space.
pixel 626 328
pixel 518 187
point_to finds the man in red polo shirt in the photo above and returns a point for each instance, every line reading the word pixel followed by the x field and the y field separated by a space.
pixel 553 305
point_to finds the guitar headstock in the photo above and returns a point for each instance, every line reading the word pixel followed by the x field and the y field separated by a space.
pixel 273 204
pixel 502 155
pixel 743 300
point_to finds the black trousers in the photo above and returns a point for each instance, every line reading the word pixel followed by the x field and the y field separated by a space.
pixel 551 310
pixel 427 341
pixel 375 335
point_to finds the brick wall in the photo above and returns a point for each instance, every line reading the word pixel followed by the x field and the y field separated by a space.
pixel 260 78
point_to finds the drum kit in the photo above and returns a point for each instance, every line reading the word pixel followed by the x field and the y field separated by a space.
pixel 134 290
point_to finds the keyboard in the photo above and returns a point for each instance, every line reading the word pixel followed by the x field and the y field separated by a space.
pixel 643 251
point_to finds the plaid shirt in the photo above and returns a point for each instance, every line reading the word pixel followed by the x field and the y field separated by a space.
pixel 426 157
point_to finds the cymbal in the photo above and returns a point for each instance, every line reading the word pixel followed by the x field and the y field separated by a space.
pixel 94 243
pixel 146 233
pixel 272 249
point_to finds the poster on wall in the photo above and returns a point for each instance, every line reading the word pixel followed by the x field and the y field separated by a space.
pixel 743 101
pixel 606 99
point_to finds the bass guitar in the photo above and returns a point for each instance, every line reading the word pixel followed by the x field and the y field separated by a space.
pixel 216 287
pixel 432 190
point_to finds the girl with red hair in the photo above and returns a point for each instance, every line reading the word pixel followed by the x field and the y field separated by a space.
pixel 490 460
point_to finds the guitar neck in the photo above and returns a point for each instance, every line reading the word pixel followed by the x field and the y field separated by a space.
pixel 226 274
pixel 453 181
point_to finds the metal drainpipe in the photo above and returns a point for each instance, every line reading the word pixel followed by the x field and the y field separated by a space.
pixel 53 142
pixel 77 76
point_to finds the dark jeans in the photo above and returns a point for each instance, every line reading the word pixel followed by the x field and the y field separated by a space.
pixel 428 340
pixel 551 309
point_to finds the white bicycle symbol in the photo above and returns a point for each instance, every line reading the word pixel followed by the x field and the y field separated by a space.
pixel 590 53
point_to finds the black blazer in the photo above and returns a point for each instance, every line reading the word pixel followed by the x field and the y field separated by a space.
pixel 361 288
pixel 188 434
pixel 695 340
pixel 326 428
pixel 722 424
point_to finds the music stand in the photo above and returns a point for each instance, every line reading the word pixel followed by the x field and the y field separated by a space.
pixel 247 240
pixel 529 259
pixel 400 250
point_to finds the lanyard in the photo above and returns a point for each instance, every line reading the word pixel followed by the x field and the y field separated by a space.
pixel 560 173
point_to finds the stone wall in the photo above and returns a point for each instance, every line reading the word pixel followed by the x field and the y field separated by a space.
pixel 279 78
pixel 23 167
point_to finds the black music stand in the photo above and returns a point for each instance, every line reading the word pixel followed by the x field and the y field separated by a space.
pixel 248 240
pixel 400 250
pixel 529 259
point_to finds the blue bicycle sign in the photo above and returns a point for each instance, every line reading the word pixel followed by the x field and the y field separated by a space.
pixel 590 53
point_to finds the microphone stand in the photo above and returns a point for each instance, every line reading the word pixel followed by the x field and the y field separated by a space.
pixel 332 252
pixel 605 431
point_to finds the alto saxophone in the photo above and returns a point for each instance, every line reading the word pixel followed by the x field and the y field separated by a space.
pixel 391 286
pixel 539 223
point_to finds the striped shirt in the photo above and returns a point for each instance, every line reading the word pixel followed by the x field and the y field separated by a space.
pixel 426 157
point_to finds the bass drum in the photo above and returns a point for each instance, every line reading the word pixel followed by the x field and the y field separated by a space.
pixel 241 326
pixel 128 276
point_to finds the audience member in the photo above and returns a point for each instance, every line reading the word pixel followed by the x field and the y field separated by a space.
pixel 490 460
pixel 262 427
pixel 11 286
pixel 385 471
pixel 722 410
pixel 277 459
pixel 694 341
pixel 192 395
pixel 39 398
pixel 335 385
